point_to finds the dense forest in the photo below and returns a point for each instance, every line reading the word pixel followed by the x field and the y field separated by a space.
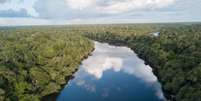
pixel 37 62
pixel 173 50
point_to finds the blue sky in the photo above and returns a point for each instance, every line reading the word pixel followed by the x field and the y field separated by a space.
pixel 56 12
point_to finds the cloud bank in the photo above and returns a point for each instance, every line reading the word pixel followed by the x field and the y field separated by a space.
pixel 99 11
pixel 118 6
pixel 17 5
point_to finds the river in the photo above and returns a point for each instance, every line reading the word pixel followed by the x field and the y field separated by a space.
pixel 113 73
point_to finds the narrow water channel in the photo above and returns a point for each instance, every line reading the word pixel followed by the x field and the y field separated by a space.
pixel 112 74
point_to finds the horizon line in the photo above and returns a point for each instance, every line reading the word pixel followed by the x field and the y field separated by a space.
pixel 116 23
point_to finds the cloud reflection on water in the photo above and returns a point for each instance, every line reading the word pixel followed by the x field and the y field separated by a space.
pixel 96 65
pixel 106 57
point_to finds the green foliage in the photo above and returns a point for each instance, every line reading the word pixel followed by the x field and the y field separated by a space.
pixel 175 54
pixel 34 62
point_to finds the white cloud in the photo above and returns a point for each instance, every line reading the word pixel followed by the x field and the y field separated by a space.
pixel 17 5
pixel 98 11
pixel 80 4
pixel 128 5
pixel 118 6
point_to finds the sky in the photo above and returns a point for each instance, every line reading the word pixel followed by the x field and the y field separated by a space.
pixel 59 12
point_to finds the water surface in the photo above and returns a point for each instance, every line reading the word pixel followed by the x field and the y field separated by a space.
pixel 113 74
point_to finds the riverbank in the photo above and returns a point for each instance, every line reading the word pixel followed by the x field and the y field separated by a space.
pixel 53 96
pixel 112 73
pixel 174 56
pixel 36 63
pixel 147 61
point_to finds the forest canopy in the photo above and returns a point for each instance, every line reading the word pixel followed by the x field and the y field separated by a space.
pixel 175 54
pixel 36 63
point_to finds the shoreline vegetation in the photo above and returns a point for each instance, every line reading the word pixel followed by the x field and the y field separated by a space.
pixel 38 61
pixel 53 96
pixel 174 55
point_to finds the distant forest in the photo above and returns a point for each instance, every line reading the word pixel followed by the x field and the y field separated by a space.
pixel 174 54
pixel 37 61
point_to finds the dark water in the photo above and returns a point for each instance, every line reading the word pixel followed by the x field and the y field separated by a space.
pixel 113 74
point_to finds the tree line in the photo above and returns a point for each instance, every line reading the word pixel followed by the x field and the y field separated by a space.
pixel 36 62
pixel 174 55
